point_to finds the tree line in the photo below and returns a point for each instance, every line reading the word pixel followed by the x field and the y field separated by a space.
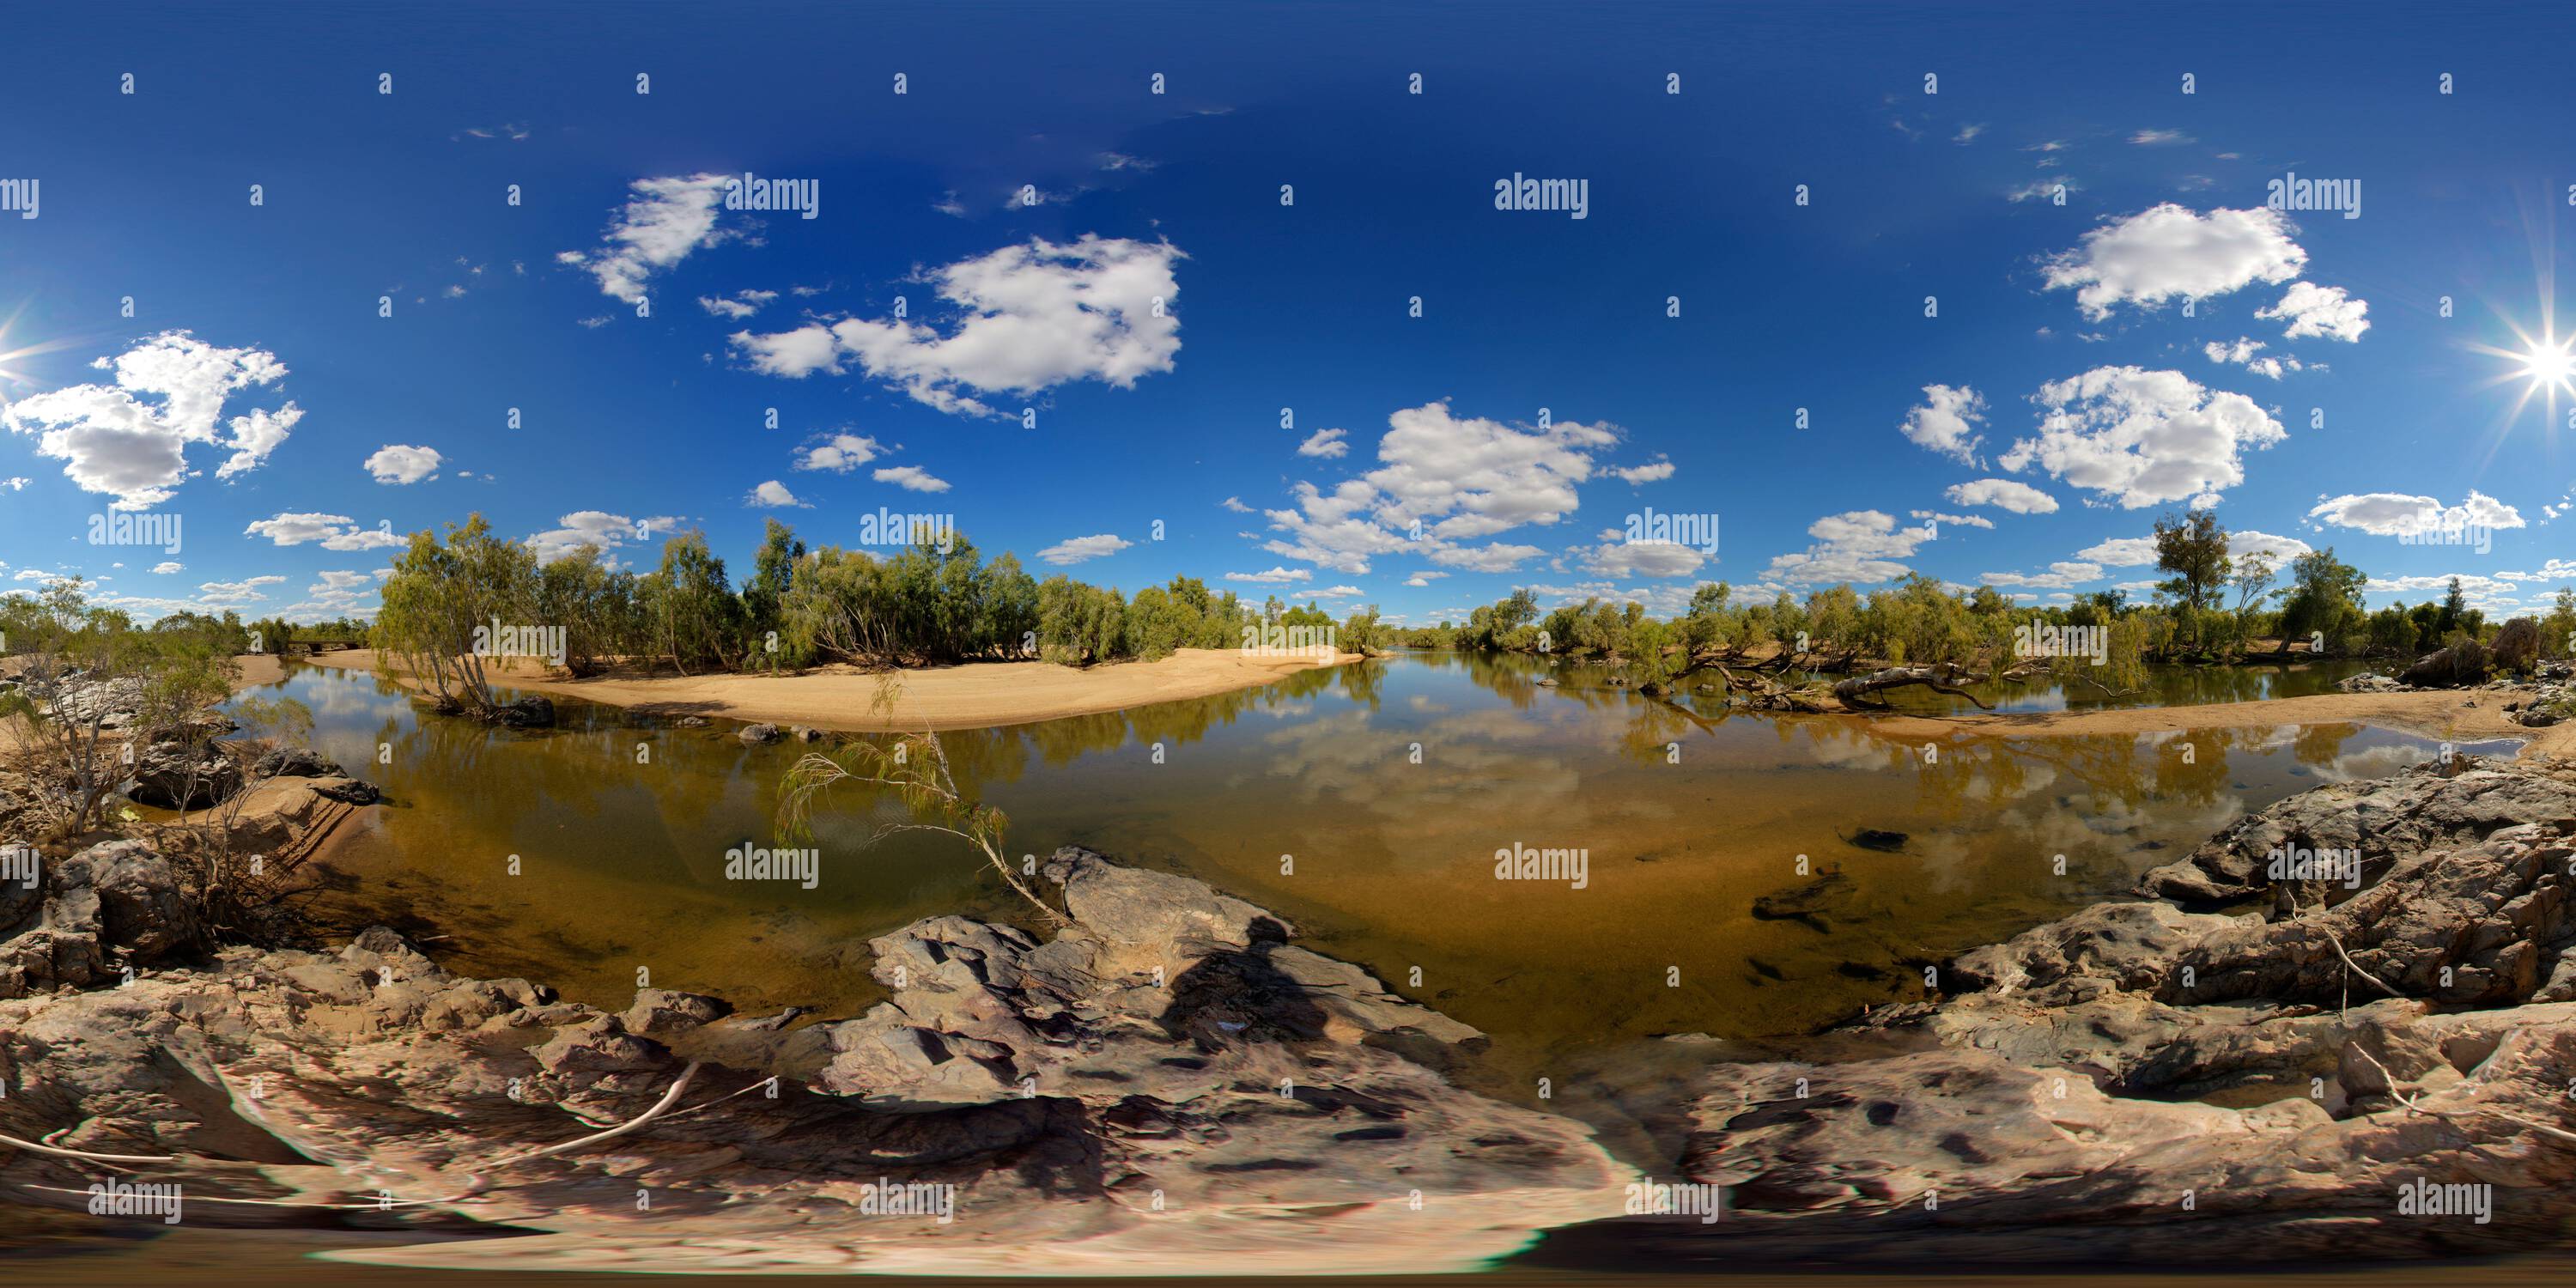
pixel 2212 606
pixel 923 604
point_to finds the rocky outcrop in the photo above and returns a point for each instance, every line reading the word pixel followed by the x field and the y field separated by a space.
pixel 2369 682
pixel 2430 805
pixel 1175 1085
pixel 2382 1077
pixel 85 917
pixel 171 775
pixel 2517 646
pixel 2458 664
pixel 295 762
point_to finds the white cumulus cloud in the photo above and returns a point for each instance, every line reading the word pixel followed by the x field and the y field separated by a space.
pixel 1276 576
pixel 596 528
pixel 839 454
pixel 2002 494
pixel 1324 443
pixel 1030 318
pixel 912 478
pixel 1076 549
pixel 333 531
pixel 2313 310
pixel 2398 514
pixel 2172 252
pixel 1946 422
pixel 395 463
pixel 128 439
pixel 1860 546
pixel 2141 438
pixel 662 222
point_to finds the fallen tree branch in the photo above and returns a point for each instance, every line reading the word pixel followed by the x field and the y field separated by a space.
pixel 669 1098
pixel 33 1147
pixel 1944 677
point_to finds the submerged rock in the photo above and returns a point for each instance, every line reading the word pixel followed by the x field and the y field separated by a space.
pixel 1808 902
pixel 535 711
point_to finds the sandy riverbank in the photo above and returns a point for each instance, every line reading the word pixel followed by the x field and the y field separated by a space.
pixel 257 669
pixel 972 696
pixel 2436 713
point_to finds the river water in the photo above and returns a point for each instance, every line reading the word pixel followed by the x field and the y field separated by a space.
pixel 1366 804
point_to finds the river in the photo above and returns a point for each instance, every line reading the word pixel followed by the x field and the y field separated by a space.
pixel 1365 803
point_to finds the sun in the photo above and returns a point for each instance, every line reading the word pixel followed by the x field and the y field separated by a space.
pixel 2549 364
pixel 2544 365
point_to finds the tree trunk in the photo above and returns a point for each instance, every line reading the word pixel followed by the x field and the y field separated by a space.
pixel 1941 678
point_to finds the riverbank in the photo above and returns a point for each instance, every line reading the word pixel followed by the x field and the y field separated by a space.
pixel 975 695
pixel 1172 1081
pixel 2459 715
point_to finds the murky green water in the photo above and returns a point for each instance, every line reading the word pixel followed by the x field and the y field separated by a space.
pixel 1366 803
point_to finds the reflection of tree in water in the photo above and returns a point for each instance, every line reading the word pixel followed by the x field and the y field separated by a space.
pixel 2166 686
pixel 1512 677
pixel 2319 746
pixel 1001 755
pixel 1361 682
pixel 1968 778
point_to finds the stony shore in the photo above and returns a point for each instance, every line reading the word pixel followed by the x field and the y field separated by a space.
pixel 2236 1065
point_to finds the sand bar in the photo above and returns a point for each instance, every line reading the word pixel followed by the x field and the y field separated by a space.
pixel 974 695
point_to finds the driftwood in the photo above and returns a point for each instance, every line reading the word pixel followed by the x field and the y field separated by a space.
pixel 2048 668
pixel 1763 693
pixel 1944 677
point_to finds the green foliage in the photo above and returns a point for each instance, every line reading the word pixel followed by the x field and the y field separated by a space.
pixel 2194 550
pixel 2558 629
pixel 2324 599
pixel 1079 624
pixel 599 610
pixel 690 610
pixel 437 596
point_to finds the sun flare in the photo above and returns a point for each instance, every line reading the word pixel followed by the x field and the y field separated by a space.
pixel 2549 364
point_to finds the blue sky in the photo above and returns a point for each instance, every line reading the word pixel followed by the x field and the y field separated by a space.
pixel 2091 364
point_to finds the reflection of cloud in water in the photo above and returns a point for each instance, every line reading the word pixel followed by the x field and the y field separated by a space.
pixel 2374 762
pixel 1839 748
pixel 1471 770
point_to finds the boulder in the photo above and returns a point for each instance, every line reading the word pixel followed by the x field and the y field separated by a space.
pixel 756 734
pixel 350 791
pixel 295 762
pixel 118 901
pixel 660 1010
pixel 2460 664
pixel 177 776
pixel 2517 646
